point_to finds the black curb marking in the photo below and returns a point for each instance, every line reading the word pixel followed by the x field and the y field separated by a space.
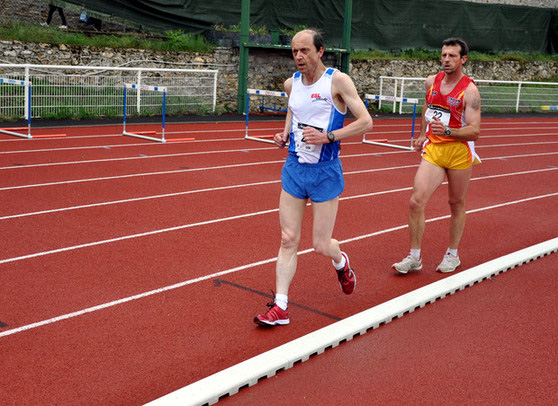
pixel 219 282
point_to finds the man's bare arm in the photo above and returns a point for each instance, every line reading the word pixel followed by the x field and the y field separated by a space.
pixel 472 105
pixel 282 137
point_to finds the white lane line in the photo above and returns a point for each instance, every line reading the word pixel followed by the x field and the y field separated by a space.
pixel 242 130
pixel 134 175
pixel 131 236
pixel 187 192
pixel 214 221
pixel 130 158
pixel 197 153
pixel 115 146
pixel 138 199
pixel 175 171
pixel 240 268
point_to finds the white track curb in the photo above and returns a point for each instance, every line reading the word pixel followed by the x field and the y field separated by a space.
pixel 229 381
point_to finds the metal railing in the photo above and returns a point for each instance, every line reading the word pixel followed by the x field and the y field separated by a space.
pixel 95 91
pixel 498 96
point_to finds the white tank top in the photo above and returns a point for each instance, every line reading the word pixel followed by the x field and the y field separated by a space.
pixel 313 105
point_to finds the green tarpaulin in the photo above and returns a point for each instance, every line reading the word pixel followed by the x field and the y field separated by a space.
pixel 379 24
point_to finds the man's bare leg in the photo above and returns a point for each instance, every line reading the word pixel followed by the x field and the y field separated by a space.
pixel 291 212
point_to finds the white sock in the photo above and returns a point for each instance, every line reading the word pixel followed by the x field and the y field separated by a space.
pixel 341 264
pixel 452 251
pixel 415 254
pixel 282 301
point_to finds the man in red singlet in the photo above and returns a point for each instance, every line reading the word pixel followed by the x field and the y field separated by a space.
pixel 450 124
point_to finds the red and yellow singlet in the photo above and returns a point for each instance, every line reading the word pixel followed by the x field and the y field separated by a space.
pixel 449 109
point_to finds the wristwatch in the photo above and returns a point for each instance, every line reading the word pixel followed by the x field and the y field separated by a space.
pixel 331 137
pixel 448 131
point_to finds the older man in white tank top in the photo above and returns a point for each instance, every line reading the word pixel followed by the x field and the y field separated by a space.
pixel 318 100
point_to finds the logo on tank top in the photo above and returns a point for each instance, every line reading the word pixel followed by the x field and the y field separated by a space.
pixel 316 97
pixel 452 101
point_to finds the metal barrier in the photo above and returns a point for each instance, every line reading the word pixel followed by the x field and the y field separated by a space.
pixel 275 106
pixel 96 91
pixel 498 96
pixel 385 142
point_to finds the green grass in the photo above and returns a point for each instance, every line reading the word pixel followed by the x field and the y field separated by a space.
pixel 176 41
pixel 179 41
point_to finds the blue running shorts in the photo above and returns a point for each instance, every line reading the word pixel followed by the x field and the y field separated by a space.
pixel 319 182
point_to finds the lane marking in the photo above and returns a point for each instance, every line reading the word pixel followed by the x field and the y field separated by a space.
pixel 138 235
pixel 197 153
pixel 130 158
pixel 219 282
pixel 134 175
pixel 195 191
pixel 214 221
pixel 24 151
pixel 138 199
pixel 242 130
pixel 176 171
pixel 229 271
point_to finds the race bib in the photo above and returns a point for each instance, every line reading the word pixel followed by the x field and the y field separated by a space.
pixel 301 145
pixel 438 112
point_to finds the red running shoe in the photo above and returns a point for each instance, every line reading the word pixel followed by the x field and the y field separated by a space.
pixel 275 316
pixel 347 277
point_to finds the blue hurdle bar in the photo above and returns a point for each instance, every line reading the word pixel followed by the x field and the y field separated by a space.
pixel 394 99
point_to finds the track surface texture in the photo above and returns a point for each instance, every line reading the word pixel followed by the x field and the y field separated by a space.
pixel 131 268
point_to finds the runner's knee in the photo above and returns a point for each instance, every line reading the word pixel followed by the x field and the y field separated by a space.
pixel 289 239
pixel 322 246
pixel 416 203
pixel 456 205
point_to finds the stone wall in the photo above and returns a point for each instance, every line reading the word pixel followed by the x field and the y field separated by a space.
pixel 268 68
pixel 366 74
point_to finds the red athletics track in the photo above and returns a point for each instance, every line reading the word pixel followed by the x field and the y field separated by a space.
pixel 131 268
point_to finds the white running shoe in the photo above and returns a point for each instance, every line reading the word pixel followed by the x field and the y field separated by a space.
pixel 408 264
pixel 448 264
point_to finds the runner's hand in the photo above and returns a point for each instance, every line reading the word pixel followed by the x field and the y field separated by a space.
pixel 314 137
pixel 438 128
pixel 281 139
pixel 419 142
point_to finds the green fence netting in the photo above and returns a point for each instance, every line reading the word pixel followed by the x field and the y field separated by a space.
pixel 379 24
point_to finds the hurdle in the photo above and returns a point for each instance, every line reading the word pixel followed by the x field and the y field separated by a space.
pixel 549 108
pixel 142 134
pixel 12 130
pixel 261 93
pixel 385 143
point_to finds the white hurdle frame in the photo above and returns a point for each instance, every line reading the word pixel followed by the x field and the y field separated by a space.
pixel 28 101
pixel 259 93
pixel 393 99
pixel 150 88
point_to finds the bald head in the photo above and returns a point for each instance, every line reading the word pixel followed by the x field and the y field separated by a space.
pixel 316 36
